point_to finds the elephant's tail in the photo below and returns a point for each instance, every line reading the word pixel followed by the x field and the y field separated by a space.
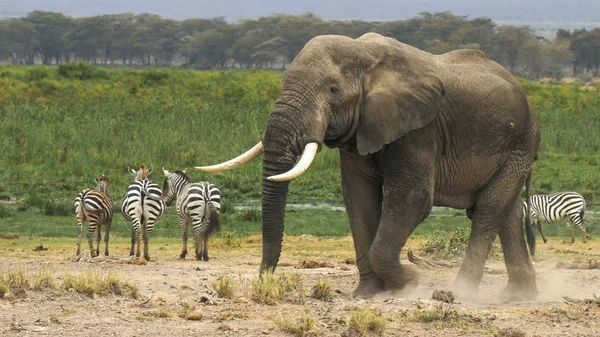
pixel 529 230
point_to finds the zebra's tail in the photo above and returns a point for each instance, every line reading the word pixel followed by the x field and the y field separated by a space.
pixel 214 220
pixel 529 230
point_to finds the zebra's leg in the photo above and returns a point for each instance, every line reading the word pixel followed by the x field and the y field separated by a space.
pixel 79 235
pixel 577 223
pixel 184 236
pixel 147 231
pixel 205 245
pixel 106 236
pixel 132 250
pixel 197 227
pixel 98 239
pixel 90 237
pixel 539 228
pixel 138 238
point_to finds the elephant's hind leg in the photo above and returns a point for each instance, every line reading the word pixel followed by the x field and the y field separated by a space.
pixel 498 209
pixel 521 275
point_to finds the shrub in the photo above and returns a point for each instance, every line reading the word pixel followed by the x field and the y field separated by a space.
pixel 81 71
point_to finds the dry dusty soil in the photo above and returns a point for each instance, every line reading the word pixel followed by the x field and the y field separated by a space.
pixel 176 297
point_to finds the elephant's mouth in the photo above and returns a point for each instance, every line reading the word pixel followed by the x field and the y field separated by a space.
pixel 346 139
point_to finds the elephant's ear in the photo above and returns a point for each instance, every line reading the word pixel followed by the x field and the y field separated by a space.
pixel 400 96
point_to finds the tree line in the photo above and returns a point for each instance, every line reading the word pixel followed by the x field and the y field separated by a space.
pixel 273 41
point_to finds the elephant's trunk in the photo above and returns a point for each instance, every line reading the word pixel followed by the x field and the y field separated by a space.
pixel 281 147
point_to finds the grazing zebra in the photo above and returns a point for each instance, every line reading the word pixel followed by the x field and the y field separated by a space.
pixel 140 210
pixel 551 208
pixel 196 203
pixel 95 206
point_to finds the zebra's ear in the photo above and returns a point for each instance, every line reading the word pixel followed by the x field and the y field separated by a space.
pixel 132 171
pixel 96 179
pixel 185 170
pixel 167 173
pixel 149 170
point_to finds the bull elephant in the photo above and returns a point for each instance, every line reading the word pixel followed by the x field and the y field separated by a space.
pixel 413 130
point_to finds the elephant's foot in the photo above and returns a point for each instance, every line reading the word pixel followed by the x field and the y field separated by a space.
pixel 515 291
pixel 403 278
pixel 465 289
pixel 369 287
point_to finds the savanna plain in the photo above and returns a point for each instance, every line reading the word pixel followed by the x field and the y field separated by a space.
pixel 60 126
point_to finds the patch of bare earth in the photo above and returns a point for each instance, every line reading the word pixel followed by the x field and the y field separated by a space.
pixel 178 297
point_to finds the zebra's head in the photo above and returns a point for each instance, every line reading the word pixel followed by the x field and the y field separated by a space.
pixel 142 173
pixel 103 184
pixel 174 182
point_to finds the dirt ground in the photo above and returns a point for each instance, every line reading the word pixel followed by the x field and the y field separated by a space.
pixel 168 286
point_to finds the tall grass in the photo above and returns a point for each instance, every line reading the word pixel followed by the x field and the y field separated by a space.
pixel 60 126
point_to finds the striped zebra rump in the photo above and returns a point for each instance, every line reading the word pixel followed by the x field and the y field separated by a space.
pixel 142 207
pixel 198 204
pixel 95 207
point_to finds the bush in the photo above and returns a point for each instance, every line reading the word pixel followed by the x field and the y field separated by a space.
pixel 81 71
pixel 37 73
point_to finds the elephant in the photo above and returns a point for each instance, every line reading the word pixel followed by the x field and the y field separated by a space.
pixel 413 130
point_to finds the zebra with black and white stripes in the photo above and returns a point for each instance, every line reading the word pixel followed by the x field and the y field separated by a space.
pixel 140 210
pixel 197 203
pixel 551 208
pixel 95 207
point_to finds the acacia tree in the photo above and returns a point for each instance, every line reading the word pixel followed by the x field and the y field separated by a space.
pixel 52 28
pixel 18 40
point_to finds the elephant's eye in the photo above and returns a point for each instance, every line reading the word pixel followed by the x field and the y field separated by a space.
pixel 333 90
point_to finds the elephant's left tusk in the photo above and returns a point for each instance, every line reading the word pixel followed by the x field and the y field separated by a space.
pixel 310 150
pixel 238 161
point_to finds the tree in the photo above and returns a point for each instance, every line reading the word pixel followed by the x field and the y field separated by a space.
pixel 18 39
pixel 508 43
pixel 52 28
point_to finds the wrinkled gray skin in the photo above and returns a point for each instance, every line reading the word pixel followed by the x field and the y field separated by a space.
pixel 414 130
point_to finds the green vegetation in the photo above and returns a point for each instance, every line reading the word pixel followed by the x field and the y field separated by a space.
pixel 60 126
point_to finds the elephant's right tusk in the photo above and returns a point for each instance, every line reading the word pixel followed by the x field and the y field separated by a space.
pixel 310 150
pixel 238 161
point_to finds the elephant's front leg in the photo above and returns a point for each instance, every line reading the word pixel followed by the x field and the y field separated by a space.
pixel 362 189
pixel 407 201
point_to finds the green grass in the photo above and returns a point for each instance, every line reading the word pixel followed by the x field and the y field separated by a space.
pixel 60 126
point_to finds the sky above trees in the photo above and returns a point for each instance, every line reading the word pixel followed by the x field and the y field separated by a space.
pixel 499 10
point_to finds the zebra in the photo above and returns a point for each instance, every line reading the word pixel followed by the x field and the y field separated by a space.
pixel 95 206
pixel 551 208
pixel 140 210
pixel 196 203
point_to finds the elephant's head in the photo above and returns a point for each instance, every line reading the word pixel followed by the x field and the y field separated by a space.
pixel 358 95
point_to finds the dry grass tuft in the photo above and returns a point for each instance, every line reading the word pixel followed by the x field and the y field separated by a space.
pixel 136 261
pixel 366 320
pixel 191 315
pixel 322 290
pixel 270 288
pixel 93 283
pixel 304 326
pixel 9 236
pixel 43 279
pixel 311 264
pixel 224 286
